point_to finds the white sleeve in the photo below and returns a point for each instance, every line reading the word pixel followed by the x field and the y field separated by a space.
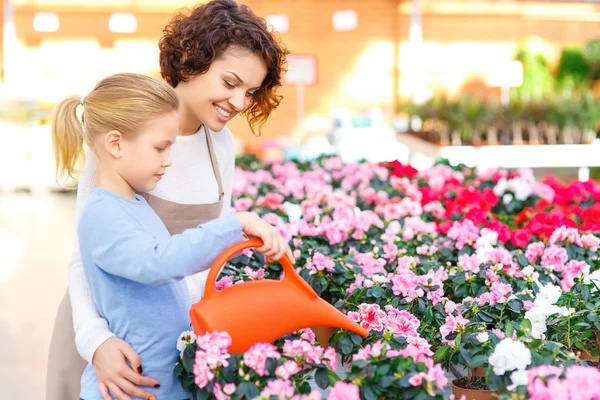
pixel 226 146
pixel 91 330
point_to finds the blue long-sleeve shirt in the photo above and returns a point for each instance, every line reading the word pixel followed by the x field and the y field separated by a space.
pixel 135 269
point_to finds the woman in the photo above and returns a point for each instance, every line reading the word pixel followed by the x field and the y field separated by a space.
pixel 222 60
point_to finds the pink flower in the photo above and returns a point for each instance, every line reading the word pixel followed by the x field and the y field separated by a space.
pixel 372 317
pixel 279 388
pixel 211 354
pixel 308 335
pixel 370 351
pixel 572 270
pixel 242 204
pixel 390 251
pixel 435 208
pixel 344 391
pixel 287 369
pixel 300 349
pixel 256 357
pixel 566 235
pixel 499 334
pixel 449 306
pixel 320 262
pixel 223 393
pixel 202 373
pixel 357 284
pixel 464 233
pixel 554 257
pixel 590 242
pixel 224 282
pixel 500 292
pixel 255 275
pixel 405 284
pixel 329 358
pixel 582 382
pixel 500 256
pixel 534 251
pixel 451 324
pixel 469 263
pixel 401 323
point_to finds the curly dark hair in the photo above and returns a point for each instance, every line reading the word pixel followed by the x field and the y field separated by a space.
pixel 195 38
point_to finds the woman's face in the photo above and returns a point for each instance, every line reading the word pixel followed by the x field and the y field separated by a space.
pixel 225 90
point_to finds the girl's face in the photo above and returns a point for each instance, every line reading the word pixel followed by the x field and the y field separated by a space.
pixel 225 90
pixel 145 157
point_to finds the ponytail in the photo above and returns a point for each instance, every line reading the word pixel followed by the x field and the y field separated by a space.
pixel 67 138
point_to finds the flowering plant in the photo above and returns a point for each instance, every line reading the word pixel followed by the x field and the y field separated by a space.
pixel 446 260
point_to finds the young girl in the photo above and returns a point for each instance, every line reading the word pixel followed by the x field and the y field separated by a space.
pixel 135 267
pixel 202 55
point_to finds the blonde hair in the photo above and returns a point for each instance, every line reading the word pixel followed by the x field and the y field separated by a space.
pixel 124 102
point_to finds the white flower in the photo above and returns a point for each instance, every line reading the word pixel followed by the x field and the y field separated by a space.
pixel 548 294
pixel 185 338
pixel 380 279
pixel 518 378
pixel 483 337
pixel 510 355
pixel 507 198
pixel 293 211
pixel 593 277
pixel 500 187
pixel 537 316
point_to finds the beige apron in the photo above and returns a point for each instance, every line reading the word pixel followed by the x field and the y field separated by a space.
pixel 65 365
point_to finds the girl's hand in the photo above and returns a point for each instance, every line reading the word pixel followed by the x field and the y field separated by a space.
pixel 115 375
pixel 274 246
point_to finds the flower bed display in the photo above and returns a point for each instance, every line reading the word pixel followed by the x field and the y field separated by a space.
pixel 492 277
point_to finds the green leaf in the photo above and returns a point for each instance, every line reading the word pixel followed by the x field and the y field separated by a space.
pixel 202 395
pixel 189 358
pixel 441 354
pixel 247 389
pixel 509 330
pixel 346 345
pixel 333 378
pixel 526 324
pixel 368 393
pixel 356 339
pixel 305 388
pixel 386 381
pixel 271 364
pixel 522 260
pixel 477 361
pixel 383 370
pixel 376 292
pixel 585 293
pixel 515 305
pixel 321 378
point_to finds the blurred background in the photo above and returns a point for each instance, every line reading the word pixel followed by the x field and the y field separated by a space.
pixel 483 82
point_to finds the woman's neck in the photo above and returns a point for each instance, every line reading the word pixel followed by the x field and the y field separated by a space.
pixel 188 122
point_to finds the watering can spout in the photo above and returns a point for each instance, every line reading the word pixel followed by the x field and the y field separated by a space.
pixel 331 317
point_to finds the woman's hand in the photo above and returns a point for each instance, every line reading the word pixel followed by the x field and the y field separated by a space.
pixel 274 246
pixel 115 375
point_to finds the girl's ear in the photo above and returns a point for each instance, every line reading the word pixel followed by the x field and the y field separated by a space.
pixel 112 142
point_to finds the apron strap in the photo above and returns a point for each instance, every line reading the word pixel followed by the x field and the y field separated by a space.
pixel 215 164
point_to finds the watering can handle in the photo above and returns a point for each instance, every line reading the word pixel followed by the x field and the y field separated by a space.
pixel 290 273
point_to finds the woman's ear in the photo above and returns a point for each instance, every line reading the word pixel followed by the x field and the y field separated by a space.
pixel 113 143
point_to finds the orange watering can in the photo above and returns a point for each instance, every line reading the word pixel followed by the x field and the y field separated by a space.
pixel 265 310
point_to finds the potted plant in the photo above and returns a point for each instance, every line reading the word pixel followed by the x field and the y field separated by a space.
pixel 592 56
